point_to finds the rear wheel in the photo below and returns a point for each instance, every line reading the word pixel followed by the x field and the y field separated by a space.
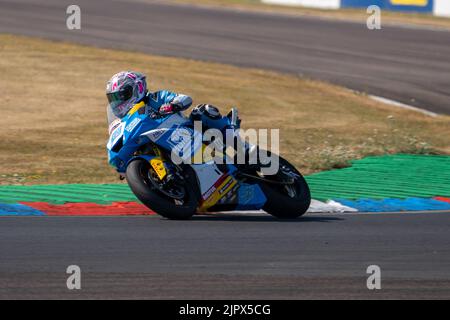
pixel 175 200
pixel 286 201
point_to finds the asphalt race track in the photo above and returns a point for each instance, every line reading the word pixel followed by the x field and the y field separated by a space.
pixel 404 64
pixel 235 256
pixel 228 256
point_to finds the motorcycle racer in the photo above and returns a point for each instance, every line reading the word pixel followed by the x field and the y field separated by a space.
pixel 150 135
pixel 127 88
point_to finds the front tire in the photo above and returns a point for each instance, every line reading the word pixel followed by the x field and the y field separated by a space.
pixel 287 203
pixel 138 179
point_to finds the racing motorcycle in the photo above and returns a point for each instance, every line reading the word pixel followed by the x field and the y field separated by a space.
pixel 141 148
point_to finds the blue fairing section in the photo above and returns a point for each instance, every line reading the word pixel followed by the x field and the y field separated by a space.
pixel 215 123
pixel 184 148
pixel 250 197
pixel 159 98
pixel 131 140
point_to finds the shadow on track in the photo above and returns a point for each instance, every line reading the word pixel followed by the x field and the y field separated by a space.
pixel 234 217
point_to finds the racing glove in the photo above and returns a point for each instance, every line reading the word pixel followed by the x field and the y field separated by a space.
pixel 170 108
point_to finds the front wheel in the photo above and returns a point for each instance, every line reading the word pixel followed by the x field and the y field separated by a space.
pixel 177 200
pixel 286 201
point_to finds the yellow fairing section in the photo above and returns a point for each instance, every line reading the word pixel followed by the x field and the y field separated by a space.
pixel 421 3
pixel 158 165
pixel 218 193
pixel 136 108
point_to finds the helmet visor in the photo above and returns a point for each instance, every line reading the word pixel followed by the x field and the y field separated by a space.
pixel 121 101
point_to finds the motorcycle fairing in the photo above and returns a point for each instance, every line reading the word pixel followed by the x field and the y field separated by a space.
pixel 214 184
pixel 219 189
pixel 131 134
pixel 250 197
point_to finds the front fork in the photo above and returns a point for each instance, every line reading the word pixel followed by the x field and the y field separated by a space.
pixel 156 161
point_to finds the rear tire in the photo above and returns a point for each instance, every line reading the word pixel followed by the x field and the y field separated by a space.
pixel 139 182
pixel 279 203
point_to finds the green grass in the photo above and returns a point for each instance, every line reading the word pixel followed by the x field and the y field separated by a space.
pixel 394 176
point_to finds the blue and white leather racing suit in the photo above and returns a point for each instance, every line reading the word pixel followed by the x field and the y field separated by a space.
pixel 155 100
pixel 208 114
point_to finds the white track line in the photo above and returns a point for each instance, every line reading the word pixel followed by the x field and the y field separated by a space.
pixel 402 105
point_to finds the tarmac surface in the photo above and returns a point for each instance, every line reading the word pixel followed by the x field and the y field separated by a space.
pixel 229 256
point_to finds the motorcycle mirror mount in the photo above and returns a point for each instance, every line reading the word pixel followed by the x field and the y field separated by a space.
pixel 234 117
